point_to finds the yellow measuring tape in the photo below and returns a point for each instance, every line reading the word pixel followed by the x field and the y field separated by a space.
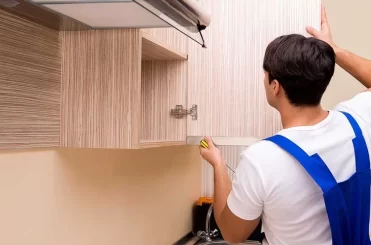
pixel 204 144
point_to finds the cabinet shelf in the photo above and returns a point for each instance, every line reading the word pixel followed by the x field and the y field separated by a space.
pixel 153 49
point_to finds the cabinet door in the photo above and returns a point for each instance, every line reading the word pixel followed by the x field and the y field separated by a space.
pixel 226 79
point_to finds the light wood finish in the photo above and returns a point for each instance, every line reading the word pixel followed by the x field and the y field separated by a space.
pixel 170 36
pixel 164 85
pixel 224 141
pixel 42 16
pixel 101 89
pixel 153 49
pixel 155 144
pixel 226 79
pixel 30 73
pixel 110 99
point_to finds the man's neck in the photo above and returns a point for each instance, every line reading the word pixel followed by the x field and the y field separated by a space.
pixel 302 116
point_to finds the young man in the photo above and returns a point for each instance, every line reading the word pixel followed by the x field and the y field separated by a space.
pixel 291 179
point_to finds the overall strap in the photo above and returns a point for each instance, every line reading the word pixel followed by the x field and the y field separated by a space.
pixel 314 165
pixel 360 147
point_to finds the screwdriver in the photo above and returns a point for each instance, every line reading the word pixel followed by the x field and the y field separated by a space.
pixel 205 145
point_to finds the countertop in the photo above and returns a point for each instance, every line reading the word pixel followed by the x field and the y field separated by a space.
pixel 188 239
pixel 191 239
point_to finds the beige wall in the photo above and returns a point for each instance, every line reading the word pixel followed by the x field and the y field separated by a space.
pixel 96 197
pixel 350 26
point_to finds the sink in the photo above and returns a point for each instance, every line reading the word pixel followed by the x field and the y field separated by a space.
pixel 222 242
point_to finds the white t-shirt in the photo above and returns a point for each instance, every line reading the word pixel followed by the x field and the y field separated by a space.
pixel 271 183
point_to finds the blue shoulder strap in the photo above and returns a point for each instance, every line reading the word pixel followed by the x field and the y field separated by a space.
pixel 360 147
pixel 314 165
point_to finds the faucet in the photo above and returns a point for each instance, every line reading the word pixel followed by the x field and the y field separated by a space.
pixel 208 234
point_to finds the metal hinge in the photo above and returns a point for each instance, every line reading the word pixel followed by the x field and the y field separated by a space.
pixel 179 112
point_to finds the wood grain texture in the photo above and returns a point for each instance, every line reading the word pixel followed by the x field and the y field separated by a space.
pixel 101 89
pixel 170 36
pixel 226 79
pixel 40 15
pixel 155 144
pixel 153 49
pixel 164 85
pixel 30 74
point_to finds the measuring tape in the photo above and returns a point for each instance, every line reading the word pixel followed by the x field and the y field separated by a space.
pixel 205 145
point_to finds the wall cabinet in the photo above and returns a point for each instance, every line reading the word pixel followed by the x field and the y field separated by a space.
pixel 29 84
pixel 118 86
pixel 226 80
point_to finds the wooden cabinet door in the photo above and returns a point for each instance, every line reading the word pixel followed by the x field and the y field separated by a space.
pixel 226 79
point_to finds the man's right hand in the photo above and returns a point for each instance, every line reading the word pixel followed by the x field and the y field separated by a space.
pixel 211 154
pixel 325 33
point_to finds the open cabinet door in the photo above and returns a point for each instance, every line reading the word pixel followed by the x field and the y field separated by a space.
pixel 226 80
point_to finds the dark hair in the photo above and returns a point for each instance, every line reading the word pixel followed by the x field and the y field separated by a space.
pixel 302 66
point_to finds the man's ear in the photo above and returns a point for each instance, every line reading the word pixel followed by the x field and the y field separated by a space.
pixel 276 87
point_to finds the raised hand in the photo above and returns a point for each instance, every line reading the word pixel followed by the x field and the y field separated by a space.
pixel 325 33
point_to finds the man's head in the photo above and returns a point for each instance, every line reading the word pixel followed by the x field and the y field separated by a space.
pixel 297 70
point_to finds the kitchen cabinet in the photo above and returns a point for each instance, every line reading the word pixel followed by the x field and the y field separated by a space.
pixel 118 87
pixel 117 92
pixel 29 84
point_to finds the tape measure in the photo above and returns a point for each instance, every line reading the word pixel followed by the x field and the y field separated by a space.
pixel 204 144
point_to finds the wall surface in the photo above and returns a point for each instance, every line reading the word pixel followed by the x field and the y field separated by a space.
pixel 95 197
pixel 349 25
pixel 30 74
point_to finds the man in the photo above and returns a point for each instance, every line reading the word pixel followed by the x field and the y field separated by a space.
pixel 291 180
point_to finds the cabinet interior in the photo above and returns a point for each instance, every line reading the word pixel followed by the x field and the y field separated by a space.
pixel 163 85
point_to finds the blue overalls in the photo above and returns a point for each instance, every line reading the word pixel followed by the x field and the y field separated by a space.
pixel 348 202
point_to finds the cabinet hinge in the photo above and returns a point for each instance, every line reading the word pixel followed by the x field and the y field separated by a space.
pixel 179 112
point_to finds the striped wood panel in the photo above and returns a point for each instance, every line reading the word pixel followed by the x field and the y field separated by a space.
pixel 101 89
pixel 171 36
pixel 164 85
pixel 30 74
pixel 153 49
pixel 226 79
